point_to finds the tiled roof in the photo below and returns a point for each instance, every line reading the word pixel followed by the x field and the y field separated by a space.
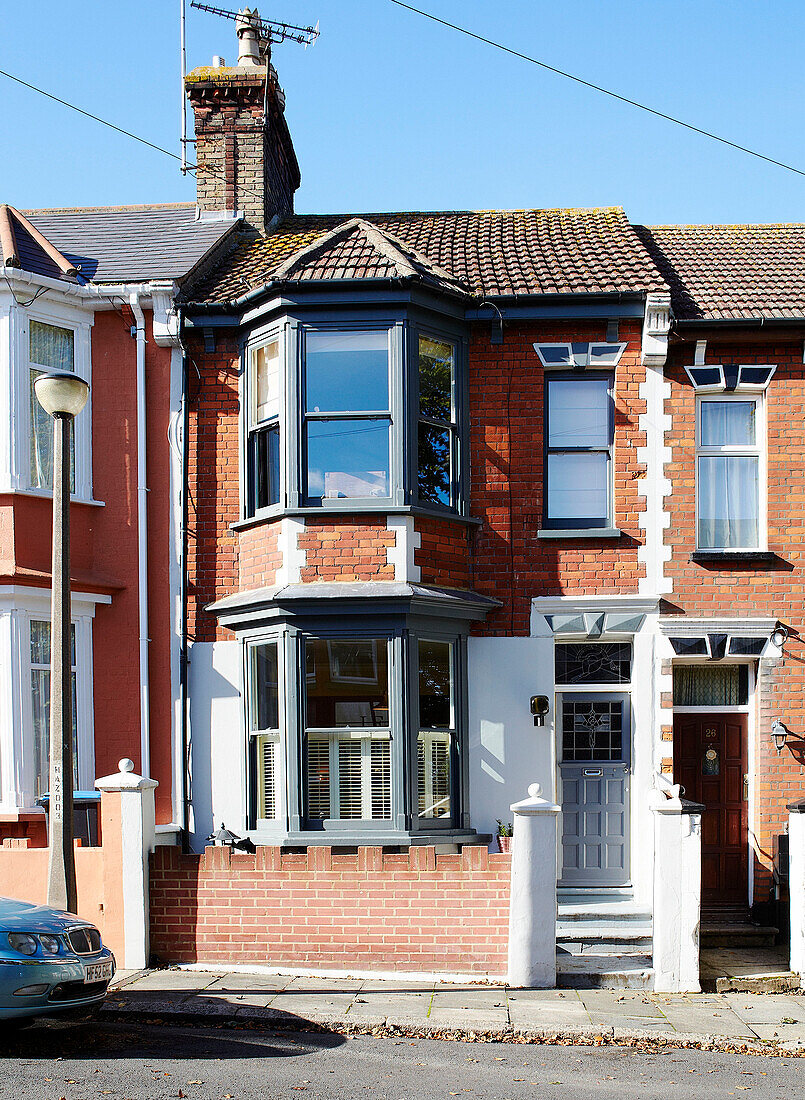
pixel 731 272
pixel 509 252
pixel 131 243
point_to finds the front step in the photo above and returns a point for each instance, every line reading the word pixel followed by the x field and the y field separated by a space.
pixel 603 941
pixel 737 936
pixel 604 972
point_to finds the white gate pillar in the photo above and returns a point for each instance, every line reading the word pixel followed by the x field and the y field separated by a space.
pixel 796 885
pixel 677 893
pixel 532 912
pixel 126 854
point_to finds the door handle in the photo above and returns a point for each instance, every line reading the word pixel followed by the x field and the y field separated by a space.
pixel 746 787
pixel 593 771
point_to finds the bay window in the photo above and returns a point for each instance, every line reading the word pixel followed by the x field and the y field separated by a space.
pixel 360 416
pixel 728 473
pixel 369 742
pixel 579 427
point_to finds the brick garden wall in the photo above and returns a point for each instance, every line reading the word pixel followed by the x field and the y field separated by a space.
pixel 775 589
pixel 368 910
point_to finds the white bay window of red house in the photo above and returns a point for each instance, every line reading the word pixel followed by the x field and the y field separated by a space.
pixel 50 348
pixel 347 758
pixel 264 727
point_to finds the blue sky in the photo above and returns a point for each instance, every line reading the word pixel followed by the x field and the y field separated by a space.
pixel 389 111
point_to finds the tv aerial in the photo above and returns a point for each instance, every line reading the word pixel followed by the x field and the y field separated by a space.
pixel 269 31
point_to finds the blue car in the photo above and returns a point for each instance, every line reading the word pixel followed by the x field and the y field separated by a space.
pixel 50 961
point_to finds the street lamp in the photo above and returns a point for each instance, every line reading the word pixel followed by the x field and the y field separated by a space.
pixel 63 395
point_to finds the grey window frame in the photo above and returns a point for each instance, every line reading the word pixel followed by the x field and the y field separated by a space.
pixel 299 417
pixel 459 491
pixel 576 523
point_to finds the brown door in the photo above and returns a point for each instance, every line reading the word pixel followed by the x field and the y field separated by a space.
pixel 710 763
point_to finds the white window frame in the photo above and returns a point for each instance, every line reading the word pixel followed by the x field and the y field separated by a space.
pixel 757 450
pixel 80 324
pixel 250 423
pixel 18 606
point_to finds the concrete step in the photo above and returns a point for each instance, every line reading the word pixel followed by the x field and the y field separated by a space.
pixel 737 936
pixel 643 946
pixel 604 972
pixel 603 932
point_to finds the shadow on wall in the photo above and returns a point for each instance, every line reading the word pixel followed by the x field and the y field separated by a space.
pixel 507 751
pixel 216 745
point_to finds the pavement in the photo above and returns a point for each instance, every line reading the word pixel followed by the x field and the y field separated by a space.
pixel 753 1022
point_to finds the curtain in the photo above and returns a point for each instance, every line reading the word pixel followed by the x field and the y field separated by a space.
pixel 51 349
pixel 728 501
pixel 708 686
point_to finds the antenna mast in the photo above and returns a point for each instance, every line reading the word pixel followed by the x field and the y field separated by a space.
pixel 183 128
pixel 269 31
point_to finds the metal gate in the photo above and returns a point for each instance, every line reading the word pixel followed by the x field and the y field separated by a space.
pixel 595 771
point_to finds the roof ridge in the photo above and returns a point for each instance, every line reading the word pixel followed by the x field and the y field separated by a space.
pixel 727 225
pixel 110 209
pixel 370 214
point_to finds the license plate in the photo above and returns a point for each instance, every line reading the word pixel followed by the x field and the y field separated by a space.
pixel 98 972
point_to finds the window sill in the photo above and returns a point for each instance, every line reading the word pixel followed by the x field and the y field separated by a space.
pixel 269 516
pixel 580 533
pixel 703 556
pixel 47 494
pixel 373 838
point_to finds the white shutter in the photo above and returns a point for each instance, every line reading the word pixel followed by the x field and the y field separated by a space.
pixel 267 776
pixel 350 786
pixel 318 777
pixel 381 779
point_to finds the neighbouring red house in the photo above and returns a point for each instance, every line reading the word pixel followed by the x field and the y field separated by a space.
pixel 92 291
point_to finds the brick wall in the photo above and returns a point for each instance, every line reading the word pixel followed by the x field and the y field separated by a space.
pixel 212 561
pixel 775 589
pixel 509 562
pixel 444 552
pixel 343 548
pixel 259 555
pixel 368 910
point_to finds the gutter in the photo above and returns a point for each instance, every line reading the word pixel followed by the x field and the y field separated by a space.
pixel 142 538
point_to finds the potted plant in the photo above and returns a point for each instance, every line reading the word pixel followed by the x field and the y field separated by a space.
pixel 505 834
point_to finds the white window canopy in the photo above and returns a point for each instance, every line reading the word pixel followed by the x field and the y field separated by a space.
pixel 580 355
pixel 730 376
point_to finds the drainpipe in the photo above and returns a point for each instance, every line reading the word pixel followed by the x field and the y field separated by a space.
pixel 142 538
pixel 184 654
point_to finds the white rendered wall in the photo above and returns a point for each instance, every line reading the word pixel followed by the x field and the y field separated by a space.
pixel 507 751
pixel 217 752
pixel 645 727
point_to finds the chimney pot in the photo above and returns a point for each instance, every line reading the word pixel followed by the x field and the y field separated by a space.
pixel 248 38
pixel 218 62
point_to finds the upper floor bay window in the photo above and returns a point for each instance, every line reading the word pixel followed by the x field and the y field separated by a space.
pixel 729 455
pixel 366 417
pixel 579 427
pixel 50 348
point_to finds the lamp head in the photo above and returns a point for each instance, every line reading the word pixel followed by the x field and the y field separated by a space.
pixel 61 393
pixel 540 705
pixel 779 734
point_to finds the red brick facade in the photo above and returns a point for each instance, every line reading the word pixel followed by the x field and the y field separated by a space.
pixel 259 555
pixel 509 561
pixel 368 910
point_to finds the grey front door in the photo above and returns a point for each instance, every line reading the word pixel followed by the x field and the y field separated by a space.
pixel 595 754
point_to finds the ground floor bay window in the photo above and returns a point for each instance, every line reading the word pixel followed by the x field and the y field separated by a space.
pixel 356 737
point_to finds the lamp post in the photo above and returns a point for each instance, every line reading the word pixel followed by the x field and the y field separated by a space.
pixel 63 395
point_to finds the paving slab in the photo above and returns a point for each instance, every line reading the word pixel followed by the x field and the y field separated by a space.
pixel 758 1008
pixel 412 1006
pixel 545 1009
pixel 706 1020
pixel 611 1002
pixel 166 982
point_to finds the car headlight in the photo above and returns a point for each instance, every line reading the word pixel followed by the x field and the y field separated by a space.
pixel 50 944
pixel 22 942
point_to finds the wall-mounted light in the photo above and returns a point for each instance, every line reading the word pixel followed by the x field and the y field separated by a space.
pixel 540 705
pixel 780 734
pixel 779 636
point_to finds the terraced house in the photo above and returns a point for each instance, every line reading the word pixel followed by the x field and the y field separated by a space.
pixel 467 501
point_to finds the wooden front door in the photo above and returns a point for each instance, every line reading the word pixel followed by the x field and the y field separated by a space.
pixel 710 762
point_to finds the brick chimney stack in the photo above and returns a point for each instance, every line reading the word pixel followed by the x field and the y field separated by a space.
pixel 245 156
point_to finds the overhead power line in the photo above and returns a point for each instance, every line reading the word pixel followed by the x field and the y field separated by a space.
pixel 120 130
pixel 599 88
